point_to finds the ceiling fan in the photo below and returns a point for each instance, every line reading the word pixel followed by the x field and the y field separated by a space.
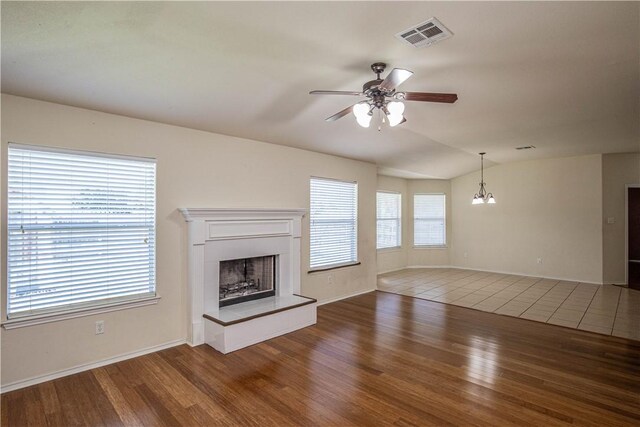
pixel 382 95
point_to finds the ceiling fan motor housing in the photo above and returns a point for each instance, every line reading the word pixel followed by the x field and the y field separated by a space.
pixel 377 96
pixel 371 85
pixel 370 88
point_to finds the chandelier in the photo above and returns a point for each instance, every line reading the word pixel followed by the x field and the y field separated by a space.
pixel 482 196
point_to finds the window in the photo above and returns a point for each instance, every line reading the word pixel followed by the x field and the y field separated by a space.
pixel 81 230
pixel 429 227
pixel 334 223
pixel 389 220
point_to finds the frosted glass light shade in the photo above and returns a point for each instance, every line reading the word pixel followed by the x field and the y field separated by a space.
pixel 395 119
pixel 364 121
pixel 395 108
pixel 361 110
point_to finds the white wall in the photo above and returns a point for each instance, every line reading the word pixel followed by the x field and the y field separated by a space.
pixel 238 173
pixel 549 209
pixel 617 171
pixel 395 258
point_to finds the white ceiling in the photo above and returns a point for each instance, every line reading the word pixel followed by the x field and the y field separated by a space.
pixel 564 77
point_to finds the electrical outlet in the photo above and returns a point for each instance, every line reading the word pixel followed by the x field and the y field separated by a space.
pixel 100 327
pixel 330 279
pixel 611 220
pixel 539 260
pixel 466 255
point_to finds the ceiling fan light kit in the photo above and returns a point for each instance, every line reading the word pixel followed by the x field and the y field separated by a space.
pixel 482 196
pixel 395 111
pixel 363 114
pixel 382 96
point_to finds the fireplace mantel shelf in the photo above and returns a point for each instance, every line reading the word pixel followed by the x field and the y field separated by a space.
pixel 191 214
pixel 253 309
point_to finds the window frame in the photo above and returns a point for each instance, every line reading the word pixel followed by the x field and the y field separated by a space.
pixel 398 219
pixel 355 261
pixel 444 220
pixel 82 308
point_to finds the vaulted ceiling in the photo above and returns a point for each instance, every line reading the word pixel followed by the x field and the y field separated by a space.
pixel 564 77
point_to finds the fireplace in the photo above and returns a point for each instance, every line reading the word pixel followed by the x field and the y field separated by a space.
pixel 247 279
pixel 221 242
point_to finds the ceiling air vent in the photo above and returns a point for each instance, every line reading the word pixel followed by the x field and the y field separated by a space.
pixel 526 147
pixel 425 34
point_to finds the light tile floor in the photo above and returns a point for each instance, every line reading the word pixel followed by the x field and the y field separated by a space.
pixel 606 309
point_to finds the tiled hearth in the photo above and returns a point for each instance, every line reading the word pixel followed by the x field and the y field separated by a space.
pixel 605 309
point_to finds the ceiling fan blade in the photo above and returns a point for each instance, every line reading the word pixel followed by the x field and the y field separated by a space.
pixel 334 92
pixel 448 98
pixel 395 78
pixel 339 114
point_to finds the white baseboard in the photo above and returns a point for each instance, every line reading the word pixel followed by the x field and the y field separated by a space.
pixel 431 266
pixel 567 279
pixel 414 266
pixel 87 366
pixel 391 271
pixel 345 296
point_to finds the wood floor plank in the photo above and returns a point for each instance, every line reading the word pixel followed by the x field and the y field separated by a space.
pixel 126 414
pixel 375 359
pixel 36 415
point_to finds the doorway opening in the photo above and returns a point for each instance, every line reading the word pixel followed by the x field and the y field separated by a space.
pixel 633 236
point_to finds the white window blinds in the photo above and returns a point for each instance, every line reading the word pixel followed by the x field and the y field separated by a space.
pixel 81 229
pixel 334 222
pixel 388 220
pixel 429 220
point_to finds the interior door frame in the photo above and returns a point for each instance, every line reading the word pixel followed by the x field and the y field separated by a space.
pixel 626 230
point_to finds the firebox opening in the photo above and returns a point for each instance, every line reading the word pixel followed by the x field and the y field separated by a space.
pixel 247 279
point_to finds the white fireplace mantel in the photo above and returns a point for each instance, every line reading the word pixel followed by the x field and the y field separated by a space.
pixel 218 234
pixel 193 214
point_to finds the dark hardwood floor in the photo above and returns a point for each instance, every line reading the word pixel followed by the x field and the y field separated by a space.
pixel 375 359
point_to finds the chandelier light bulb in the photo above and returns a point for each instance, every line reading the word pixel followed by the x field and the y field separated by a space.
pixel 491 199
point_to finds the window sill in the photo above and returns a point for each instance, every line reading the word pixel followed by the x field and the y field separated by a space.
pixel 40 319
pixel 333 267
pixel 432 247
pixel 391 249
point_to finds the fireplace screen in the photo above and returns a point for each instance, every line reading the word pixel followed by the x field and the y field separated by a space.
pixel 247 279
